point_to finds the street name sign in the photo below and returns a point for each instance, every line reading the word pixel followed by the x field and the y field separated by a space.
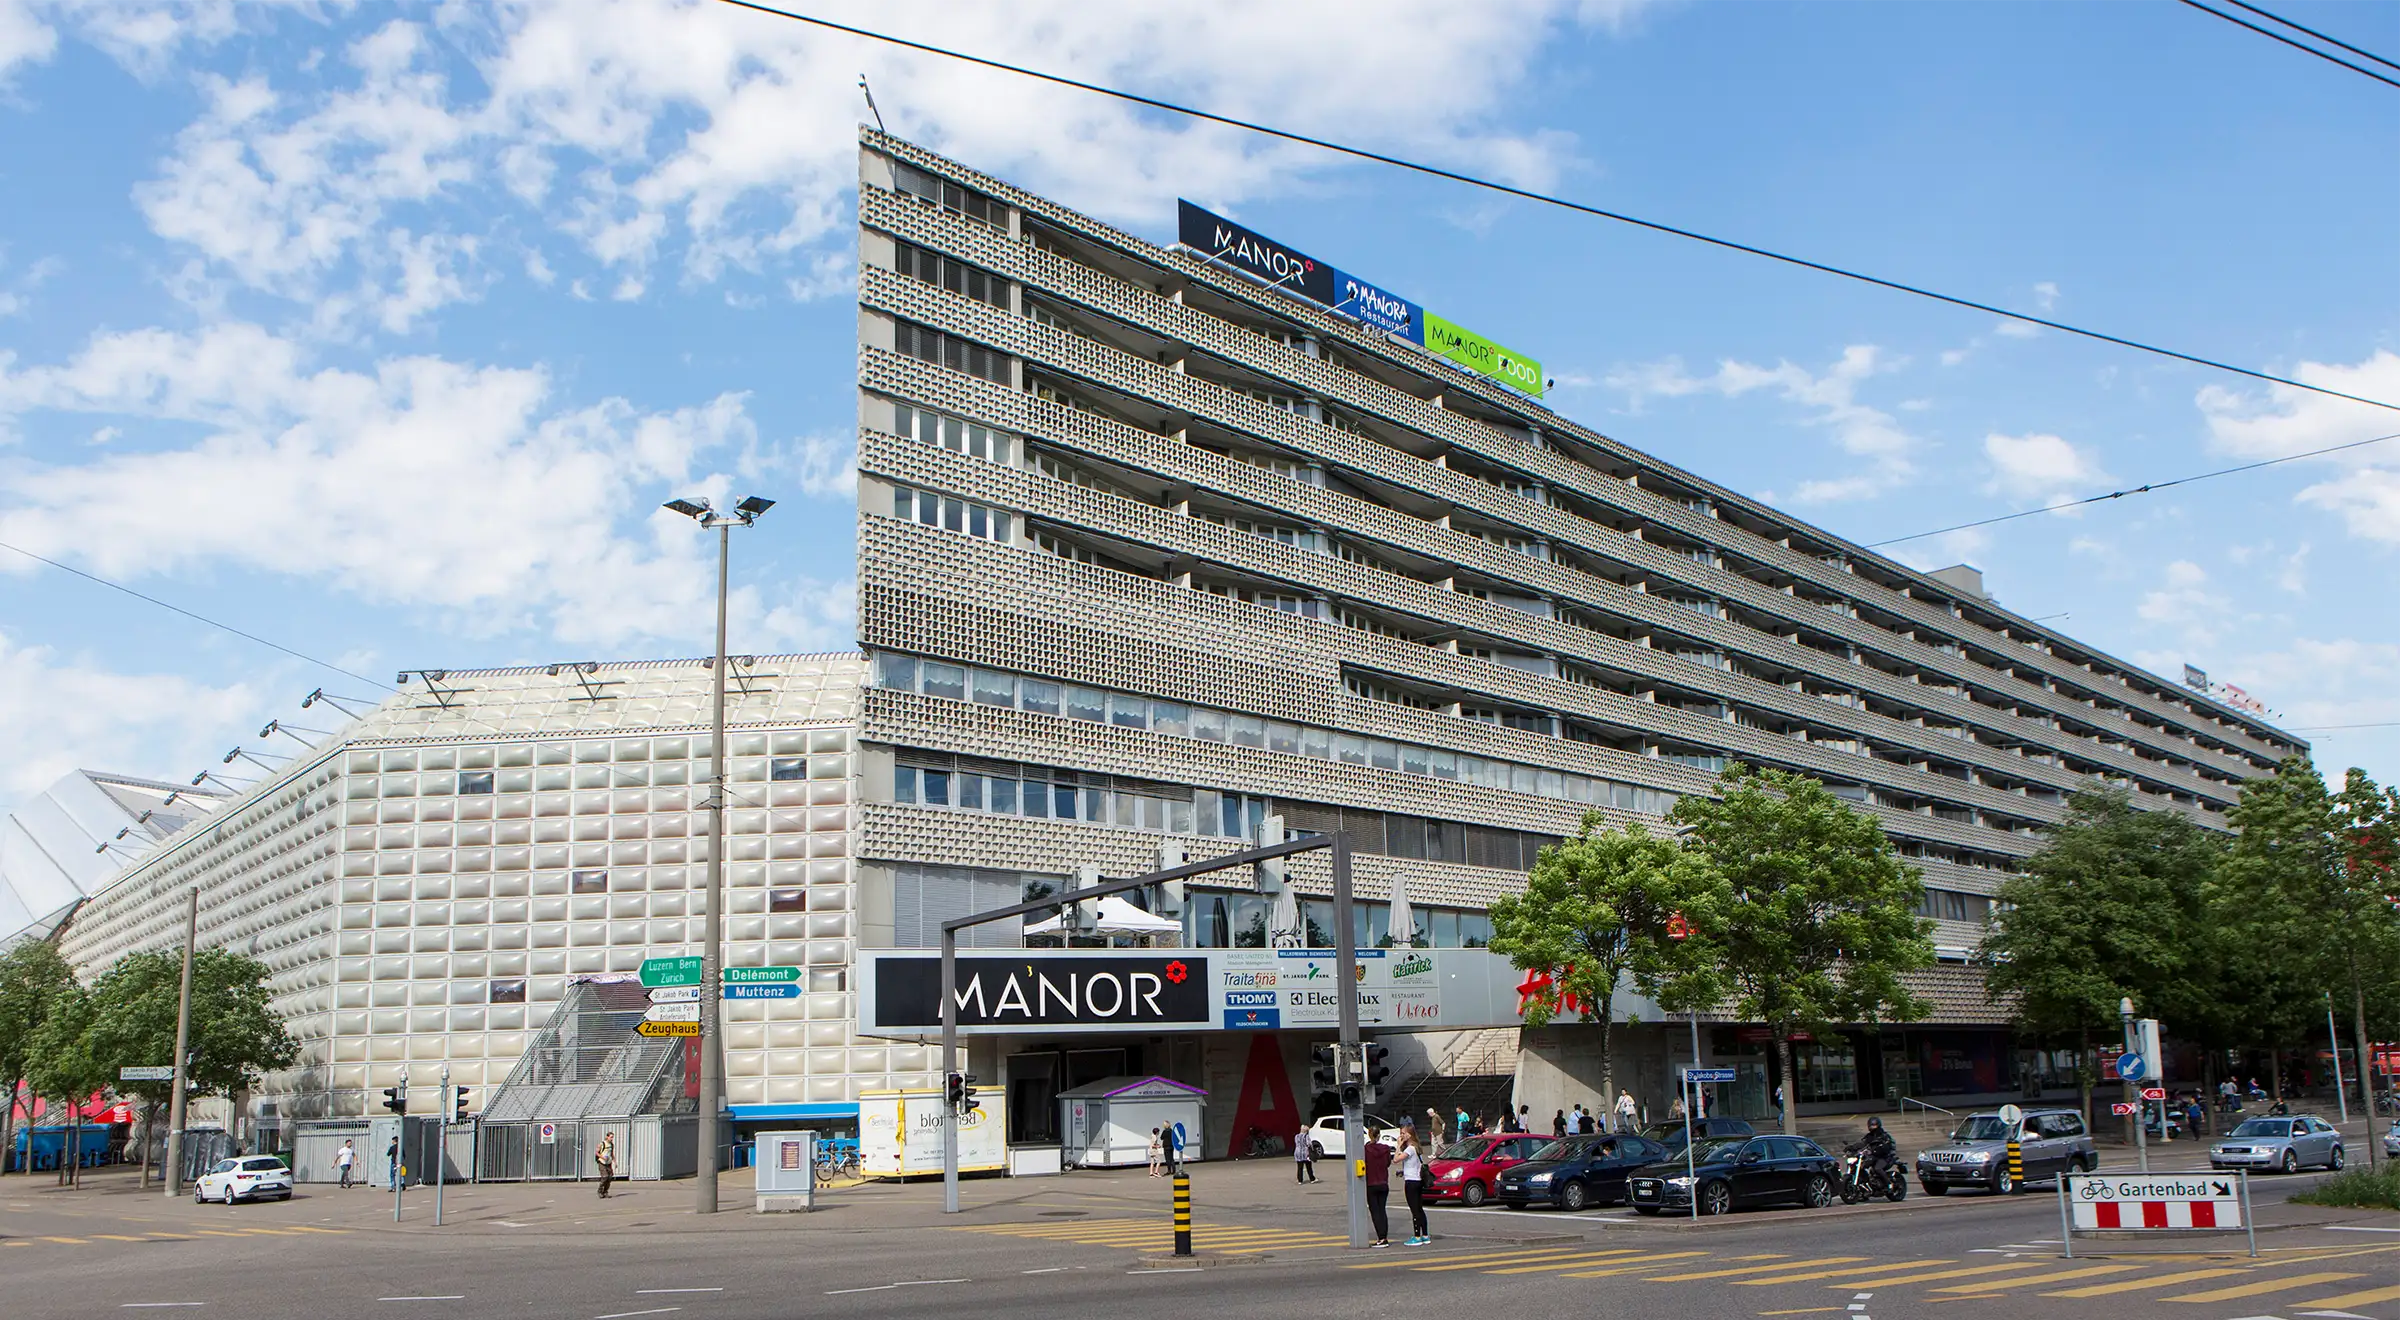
pixel 1709 1074
pixel 672 1013
pixel 152 1072
pixel 675 994
pixel 671 971
pixel 784 990
pixel 756 975
pixel 668 1029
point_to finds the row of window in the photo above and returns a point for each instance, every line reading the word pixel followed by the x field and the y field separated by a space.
pixel 991 687
pixel 948 273
pixel 590 751
pixel 951 513
pixel 944 350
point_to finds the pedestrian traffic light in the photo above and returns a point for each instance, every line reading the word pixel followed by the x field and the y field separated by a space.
pixel 1376 1069
pixel 395 1098
pixel 458 1104
pixel 1322 1074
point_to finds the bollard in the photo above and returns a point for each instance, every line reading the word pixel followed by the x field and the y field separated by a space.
pixel 1183 1214
pixel 2016 1165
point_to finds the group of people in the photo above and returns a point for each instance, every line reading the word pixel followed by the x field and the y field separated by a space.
pixel 1166 1150
pixel 1627 1115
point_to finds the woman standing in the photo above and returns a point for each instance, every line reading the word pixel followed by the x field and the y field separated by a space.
pixel 1158 1150
pixel 1412 1185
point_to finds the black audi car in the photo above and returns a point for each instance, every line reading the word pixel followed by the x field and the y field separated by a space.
pixel 1736 1172
pixel 1574 1172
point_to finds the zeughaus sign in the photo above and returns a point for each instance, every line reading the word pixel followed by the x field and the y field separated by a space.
pixel 1481 355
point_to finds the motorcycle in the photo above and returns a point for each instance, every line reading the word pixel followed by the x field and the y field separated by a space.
pixel 1860 1183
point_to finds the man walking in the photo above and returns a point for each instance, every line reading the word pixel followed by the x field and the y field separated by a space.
pixel 391 1161
pixel 606 1158
pixel 1304 1160
pixel 1626 1111
pixel 343 1159
pixel 1377 1159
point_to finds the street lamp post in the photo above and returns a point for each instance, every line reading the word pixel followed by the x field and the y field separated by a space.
pixel 712 1072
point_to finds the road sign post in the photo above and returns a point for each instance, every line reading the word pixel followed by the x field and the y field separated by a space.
pixel 2131 1203
pixel 162 1072
pixel 657 972
pixel 658 1029
pixel 1693 1079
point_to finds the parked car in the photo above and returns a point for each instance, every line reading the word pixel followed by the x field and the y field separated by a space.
pixel 1470 1170
pixel 2391 1140
pixel 1730 1173
pixel 1326 1137
pixel 2278 1143
pixel 1574 1172
pixel 247 1178
pixel 1670 1135
pixel 2052 1142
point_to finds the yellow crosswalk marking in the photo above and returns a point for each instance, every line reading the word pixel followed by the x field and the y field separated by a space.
pixel 2255 1289
pixel 1489 1261
pixel 170 1237
pixel 73 1242
pixel 1891 1281
pixel 1612 1258
pixel 211 1232
pixel 1757 1269
pixel 118 1237
pixel 1420 1262
pixel 304 1228
pixel 2137 1285
pixel 1630 1268
pixel 2021 1281
pixel 279 1232
pixel 2348 1300
pixel 1838 1272
pixel 15 1242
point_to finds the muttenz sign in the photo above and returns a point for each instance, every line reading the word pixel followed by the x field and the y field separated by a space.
pixel 1247 250
pixel 1042 989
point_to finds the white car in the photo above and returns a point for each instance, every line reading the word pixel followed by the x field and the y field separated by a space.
pixel 245 1179
pixel 1326 1136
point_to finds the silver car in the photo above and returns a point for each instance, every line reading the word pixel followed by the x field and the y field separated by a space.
pixel 2287 1144
pixel 2051 1142
pixel 2391 1140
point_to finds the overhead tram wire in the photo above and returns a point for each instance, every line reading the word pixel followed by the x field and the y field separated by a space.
pixel 1655 226
pixel 2330 41
pixel 2133 490
pixel 2329 728
pixel 2295 45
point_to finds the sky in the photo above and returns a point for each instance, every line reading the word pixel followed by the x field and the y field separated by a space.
pixel 381 332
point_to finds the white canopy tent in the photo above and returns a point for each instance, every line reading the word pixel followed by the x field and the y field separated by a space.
pixel 1117 917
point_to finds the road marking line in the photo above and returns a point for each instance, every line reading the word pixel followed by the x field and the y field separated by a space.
pixel 1945 1274
pixel 445 1297
pixel 620 1315
pixel 1757 1269
pixel 1611 1258
pixel 140 1306
pixel 2023 1281
pixel 2136 1285
pixel 73 1242
pixel 2338 1315
pixel 171 1237
pixel 1047 1269
pixel 2254 1289
pixel 1632 1269
pixel 2353 1228
pixel 640 1291
pixel 215 1232
pixel 2355 1299
pixel 304 1228
pixel 1761 1255
pixel 1442 1264
pixel 1420 1262
pixel 118 1237
pixel 887 1287
pixel 1803 1310
pixel 1815 1275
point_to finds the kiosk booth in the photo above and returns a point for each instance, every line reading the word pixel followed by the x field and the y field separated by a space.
pixel 1106 1124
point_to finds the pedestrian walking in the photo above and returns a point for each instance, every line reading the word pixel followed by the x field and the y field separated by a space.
pixel 1524 1119
pixel 343 1159
pixel 1412 1185
pixel 1675 1111
pixel 1158 1151
pixel 606 1158
pixel 1558 1123
pixel 1377 1159
pixel 1304 1160
pixel 1457 1133
pixel 391 1161
pixel 1433 1126
pixel 1626 1111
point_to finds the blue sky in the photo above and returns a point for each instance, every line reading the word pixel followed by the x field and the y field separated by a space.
pixel 382 331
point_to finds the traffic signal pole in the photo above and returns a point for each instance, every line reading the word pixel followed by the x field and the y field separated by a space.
pixel 1345 973
pixel 181 1083
pixel 949 985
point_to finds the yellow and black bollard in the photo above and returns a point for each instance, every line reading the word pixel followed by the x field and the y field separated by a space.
pixel 1183 1214
pixel 2016 1164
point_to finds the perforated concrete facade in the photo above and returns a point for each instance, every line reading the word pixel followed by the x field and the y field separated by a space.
pixel 1187 486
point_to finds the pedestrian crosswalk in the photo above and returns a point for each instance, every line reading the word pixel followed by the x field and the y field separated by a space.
pixel 188 1235
pixel 1155 1234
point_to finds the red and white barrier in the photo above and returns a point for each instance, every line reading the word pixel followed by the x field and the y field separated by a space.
pixel 2158 1214
pixel 2172 1202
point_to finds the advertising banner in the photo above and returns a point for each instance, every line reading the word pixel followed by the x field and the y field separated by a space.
pixel 1481 355
pixel 1388 312
pixel 1222 240
pixel 1040 990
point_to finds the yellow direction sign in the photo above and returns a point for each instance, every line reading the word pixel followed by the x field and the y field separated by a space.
pixel 669 1028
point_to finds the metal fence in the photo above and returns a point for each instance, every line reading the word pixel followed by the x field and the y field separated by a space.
pixel 648 1146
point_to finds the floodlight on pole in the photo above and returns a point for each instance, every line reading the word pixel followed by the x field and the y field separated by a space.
pixel 712 1067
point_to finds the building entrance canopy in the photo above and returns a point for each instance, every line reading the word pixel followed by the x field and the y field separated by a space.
pixel 1060 991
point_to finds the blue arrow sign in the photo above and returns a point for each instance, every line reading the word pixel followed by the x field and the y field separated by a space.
pixel 770 990
pixel 2130 1067
pixel 1709 1074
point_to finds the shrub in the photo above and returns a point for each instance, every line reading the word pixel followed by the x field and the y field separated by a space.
pixel 2357 1189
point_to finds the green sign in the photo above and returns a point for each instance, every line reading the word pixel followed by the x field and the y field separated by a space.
pixel 753 975
pixel 1481 355
pixel 671 971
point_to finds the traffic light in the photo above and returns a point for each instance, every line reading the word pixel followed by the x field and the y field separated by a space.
pixel 1270 871
pixel 954 1090
pixel 967 1103
pixel 1376 1069
pixel 1352 1098
pixel 458 1104
pixel 395 1098
pixel 1322 1074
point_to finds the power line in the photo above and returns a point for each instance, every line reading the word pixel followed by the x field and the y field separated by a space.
pixel 2136 490
pixel 2332 41
pixel 2329 728
pixel 1547 199
pixel 198 618
pixel 2295 45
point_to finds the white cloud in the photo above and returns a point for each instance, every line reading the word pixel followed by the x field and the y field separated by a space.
pixel 2290 421
pixel 61 713
pixel 2040 466
pixel 2045 295
pixel 1832 396
pixel 24 38
pixel 2187 603
pixel 424 483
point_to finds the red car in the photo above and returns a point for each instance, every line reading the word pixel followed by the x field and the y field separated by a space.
pixel 1466 1169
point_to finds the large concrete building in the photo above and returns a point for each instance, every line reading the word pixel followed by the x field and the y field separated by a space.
pixel 1155 543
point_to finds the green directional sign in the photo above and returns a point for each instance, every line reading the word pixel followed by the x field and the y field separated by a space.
pixel 755 975
pixel 671 971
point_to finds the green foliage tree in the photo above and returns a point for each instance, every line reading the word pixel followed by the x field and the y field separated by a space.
pixel 60 1066
pixel 2364 902
pixel 1596 911
pixel 2277 885
pixel 32 978
pixel 1820 921
pixel 2112 907
pixel 236 1034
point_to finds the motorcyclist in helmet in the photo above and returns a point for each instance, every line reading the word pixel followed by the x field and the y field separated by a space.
pixel 1882 1152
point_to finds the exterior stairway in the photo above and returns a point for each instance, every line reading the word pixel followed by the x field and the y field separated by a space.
pixel 1478 1074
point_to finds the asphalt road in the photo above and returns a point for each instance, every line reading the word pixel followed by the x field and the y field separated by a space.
pixel 1096 1245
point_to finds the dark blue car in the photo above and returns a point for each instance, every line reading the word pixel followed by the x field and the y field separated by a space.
pixel 1737 1172
pixel 1574 1172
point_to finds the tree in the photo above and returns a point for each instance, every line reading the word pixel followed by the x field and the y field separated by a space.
pixel 2364 905
pixel 60 1066
pixel 236 1034
pixel 32 978
pixel 1820 921
pixel 2111 907
pixel 2278 947
pixel 1596 910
